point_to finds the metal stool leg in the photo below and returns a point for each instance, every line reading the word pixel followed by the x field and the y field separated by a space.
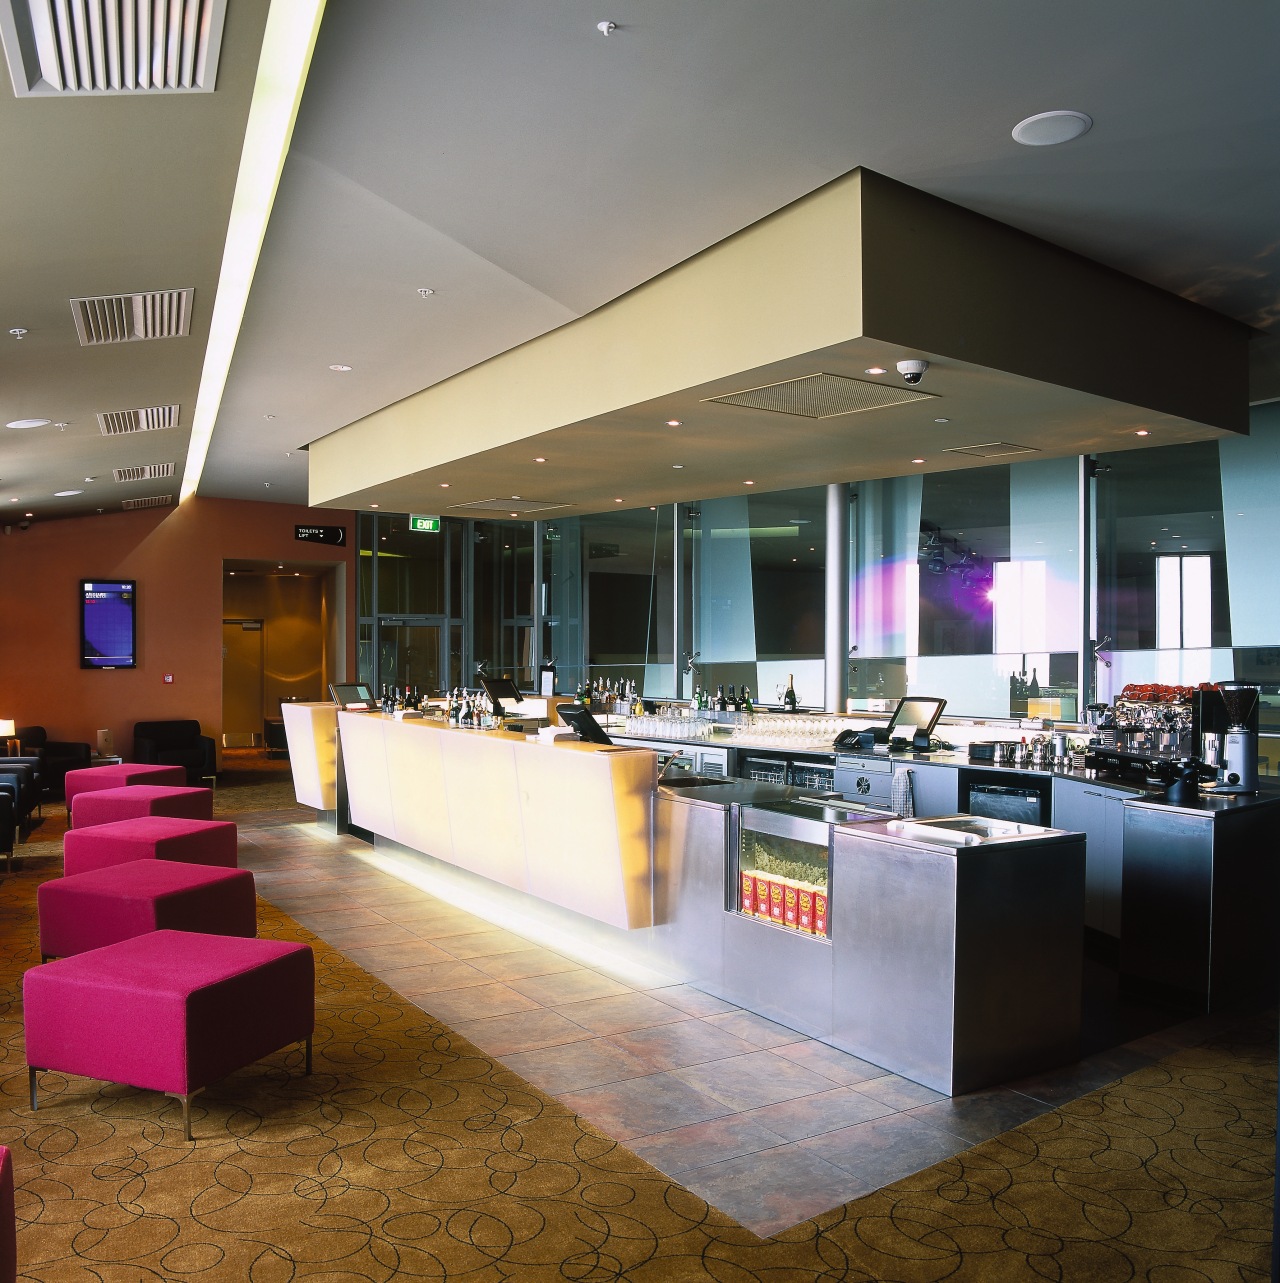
pixel 32 1071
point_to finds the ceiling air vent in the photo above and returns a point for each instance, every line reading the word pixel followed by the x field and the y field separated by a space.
pixel 821 396
pixel 146 472
pixel 124 318
pixel 115 423
pixel 112 46
pixel 521 506
pixel 992 450
pixel 155 501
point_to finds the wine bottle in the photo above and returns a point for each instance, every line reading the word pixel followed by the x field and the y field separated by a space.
pixel 586 694
pixel 1034 689
pixel 722 704
pixel 747 706
pixel 789 701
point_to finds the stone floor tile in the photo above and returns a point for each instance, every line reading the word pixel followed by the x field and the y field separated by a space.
pixel 981 1114
pixel 756 1029
pixel 642 1106
pixel 691 1001
pixel 524 963
pixel 620 1013
pixel 884 1150
pixel 569 986
pixel 575 1066
pixel 476 1002
pixel 701 1144
pixel 434 977
pixel 525 1031
pixel 831 1063
pixel 363 936
pixel 752 1080
pixel 770 1196
pixel 479 944
pixel 824 1111
pixel 900 1093
pixel 687 1042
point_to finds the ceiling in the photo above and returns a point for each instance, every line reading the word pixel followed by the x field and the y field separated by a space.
pixel 528 169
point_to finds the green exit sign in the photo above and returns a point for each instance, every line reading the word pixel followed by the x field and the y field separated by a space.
pixel 428 525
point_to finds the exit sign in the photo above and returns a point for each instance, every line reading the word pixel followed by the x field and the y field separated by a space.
pixel 427 525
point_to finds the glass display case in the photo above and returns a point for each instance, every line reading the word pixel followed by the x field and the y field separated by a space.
pixel 784 859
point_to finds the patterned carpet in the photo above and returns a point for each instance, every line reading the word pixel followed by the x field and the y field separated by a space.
pixel 410 1153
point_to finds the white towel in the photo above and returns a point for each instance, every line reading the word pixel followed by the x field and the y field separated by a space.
pixel 901 798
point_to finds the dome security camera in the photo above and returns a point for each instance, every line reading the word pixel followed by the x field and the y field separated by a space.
pixel 912 371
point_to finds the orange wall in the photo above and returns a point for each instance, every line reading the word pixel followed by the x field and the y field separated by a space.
pixel 176 556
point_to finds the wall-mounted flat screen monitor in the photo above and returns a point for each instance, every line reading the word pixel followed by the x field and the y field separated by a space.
pixel 501 690
pixel 581 721
pixel 352 696
pixel 915 716
pixel 108 623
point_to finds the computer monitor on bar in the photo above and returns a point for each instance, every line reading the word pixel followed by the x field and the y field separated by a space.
pixel 581 721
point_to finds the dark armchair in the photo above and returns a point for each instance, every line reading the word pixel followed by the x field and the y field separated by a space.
pixel 20 780
pixel 177 743
pixel 57 757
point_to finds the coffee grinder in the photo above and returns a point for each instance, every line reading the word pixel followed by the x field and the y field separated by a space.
pixel 1239 770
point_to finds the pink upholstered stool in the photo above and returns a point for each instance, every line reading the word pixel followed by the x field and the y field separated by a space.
pixel 91 778
pixel 172 1011
pixel 89 910
pixel 106 805
pixel 8 1221
pixel 150 837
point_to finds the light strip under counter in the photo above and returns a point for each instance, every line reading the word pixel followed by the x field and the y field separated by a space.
pixel 570 823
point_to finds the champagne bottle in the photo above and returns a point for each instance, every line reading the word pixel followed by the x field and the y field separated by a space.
pixel 732 699
pixel 721 703
pixel 747 706
pixel 1034 689
pixel 789 702
pixel 577 694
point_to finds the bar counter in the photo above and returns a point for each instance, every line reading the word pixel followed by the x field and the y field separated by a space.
pixel 567 822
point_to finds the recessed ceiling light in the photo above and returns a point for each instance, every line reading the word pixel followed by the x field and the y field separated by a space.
pixel 26 423
pixel 425 292
pixel 653 508
pixel 617 501
pixel 14 499
pixel 875 369
pixel 341 369
pixel 66 494
pixel 515 496
pixel 674 423
pixel 1048 128
pixel 373 505
pixel 795 558
pixel 268 416
pixel 515 514
pixel 231 572
pixel 917 460
pixel 942 420
pixel 540 459
pixel 677 465
pixel 28 514
pixel 279 566
pixel 444 485
pixel 748 483
pixel 91 478
pixel 1142 432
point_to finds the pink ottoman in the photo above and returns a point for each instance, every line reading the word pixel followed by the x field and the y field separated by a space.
pixel 90 778
pixel 89 910
pixel 150 837
pixel 8 1221
pixel 172 1011
pixel 106 805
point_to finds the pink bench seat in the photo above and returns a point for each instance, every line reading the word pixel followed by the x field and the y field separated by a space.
pixel 104 806
pixel 91 778
pixel 172 1011
pixel 89 910
pixel 150 837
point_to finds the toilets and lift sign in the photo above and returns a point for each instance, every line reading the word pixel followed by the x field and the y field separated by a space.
pixel 335 535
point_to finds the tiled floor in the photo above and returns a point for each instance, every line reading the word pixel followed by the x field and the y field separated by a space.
pixel 766 1124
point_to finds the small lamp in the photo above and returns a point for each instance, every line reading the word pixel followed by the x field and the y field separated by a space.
pixel 7 732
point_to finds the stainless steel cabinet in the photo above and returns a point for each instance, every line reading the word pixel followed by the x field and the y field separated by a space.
pixel 934 789
pixel 1083 806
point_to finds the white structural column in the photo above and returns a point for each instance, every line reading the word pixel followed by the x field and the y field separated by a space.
pixel 837 598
